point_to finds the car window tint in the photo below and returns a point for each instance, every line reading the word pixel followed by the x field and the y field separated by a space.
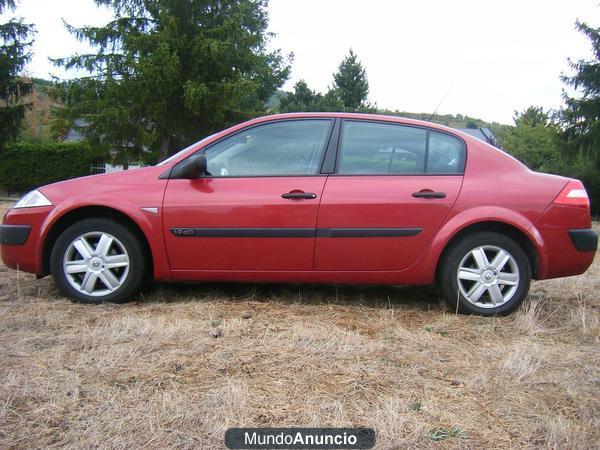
pixel 377 148
pixel 281 148
pixel 446 154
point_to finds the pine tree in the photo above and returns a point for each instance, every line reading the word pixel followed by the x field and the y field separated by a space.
pixel 14 54
pixel 348 93
pixel 168 72
pixel 351 84
pixel 580 118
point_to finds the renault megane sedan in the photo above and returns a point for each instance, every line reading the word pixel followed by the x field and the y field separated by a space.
pixel 312 197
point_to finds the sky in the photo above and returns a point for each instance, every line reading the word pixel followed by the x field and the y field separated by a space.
pixel 477 58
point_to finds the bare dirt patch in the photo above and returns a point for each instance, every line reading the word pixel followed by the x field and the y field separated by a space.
pixel 150 373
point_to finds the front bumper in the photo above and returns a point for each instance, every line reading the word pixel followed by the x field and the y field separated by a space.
pixel 584 239
pixel 14 234
pixel 20 244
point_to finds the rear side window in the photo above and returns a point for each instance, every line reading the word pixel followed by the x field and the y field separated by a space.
pixel 446 154
pixel 292 147
pixel 371 148
pixel 376 148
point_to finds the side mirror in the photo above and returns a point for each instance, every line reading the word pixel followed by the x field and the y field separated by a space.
pixel 190 168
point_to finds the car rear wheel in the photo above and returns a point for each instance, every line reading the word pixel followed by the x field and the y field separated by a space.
pixel 487 273
pixel 98 260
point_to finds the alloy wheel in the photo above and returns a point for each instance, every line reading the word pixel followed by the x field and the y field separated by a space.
pixel 96 263
pixel 488 276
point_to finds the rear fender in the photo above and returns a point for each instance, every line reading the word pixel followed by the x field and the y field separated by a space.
pixel 430 259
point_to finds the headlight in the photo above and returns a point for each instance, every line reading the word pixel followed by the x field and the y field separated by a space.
pixel 31 199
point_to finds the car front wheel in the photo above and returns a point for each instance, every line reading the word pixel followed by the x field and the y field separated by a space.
pixel 486 274
pixel 98 260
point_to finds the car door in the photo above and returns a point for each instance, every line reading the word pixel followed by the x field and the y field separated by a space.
pixel 257 208
pixel 393 188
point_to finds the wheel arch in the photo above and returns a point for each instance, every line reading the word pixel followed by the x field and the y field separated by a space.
pixel 498 226
pixel 87 212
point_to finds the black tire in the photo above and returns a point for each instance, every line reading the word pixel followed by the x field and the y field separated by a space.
pixel 135 251
pixel 450 263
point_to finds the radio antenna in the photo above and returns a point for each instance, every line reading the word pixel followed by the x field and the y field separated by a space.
pixel 440 103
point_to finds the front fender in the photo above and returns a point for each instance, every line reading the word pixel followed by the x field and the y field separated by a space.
pixel 150 224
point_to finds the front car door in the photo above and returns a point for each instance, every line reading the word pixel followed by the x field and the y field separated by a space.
pixel 257 210
pixel 393 188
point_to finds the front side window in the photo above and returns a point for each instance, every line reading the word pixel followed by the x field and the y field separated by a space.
pixel 281 148
pixel 381 149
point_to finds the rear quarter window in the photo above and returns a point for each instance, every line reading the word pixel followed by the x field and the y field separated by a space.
pixel 446 154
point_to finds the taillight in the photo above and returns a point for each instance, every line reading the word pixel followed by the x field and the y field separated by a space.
pixel 573 194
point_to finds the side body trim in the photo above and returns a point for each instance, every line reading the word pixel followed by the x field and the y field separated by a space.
pixel 295 232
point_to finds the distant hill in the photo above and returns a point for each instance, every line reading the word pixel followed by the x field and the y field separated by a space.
pixel 454 121
pixel 449 120
pixel 273 103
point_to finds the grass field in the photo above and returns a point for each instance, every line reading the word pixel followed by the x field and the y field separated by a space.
pixel 149 373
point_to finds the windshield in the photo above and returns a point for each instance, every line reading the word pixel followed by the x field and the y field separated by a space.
pixel 181 152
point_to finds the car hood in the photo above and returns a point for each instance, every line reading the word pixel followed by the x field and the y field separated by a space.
pixel 129 185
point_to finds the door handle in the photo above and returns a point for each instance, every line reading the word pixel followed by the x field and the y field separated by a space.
pixel 299 195
pixel 429 194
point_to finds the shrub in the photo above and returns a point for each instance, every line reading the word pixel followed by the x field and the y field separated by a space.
pixel 26 165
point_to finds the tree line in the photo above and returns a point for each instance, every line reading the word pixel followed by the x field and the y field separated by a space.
pixel 165 73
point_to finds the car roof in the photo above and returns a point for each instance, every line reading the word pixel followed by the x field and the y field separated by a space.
pixel 360 116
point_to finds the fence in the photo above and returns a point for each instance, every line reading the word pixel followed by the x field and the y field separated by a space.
pixel 109 168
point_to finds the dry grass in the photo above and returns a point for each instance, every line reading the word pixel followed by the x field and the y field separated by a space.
pixel 148 374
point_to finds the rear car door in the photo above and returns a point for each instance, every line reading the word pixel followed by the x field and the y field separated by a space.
pixel 257 210
pixel 393 188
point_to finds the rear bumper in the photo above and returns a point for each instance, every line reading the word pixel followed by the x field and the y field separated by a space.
pixel 14 234
pixel 569 243
pixel 584 240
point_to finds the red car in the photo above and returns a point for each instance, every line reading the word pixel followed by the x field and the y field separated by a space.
pixel 314 197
